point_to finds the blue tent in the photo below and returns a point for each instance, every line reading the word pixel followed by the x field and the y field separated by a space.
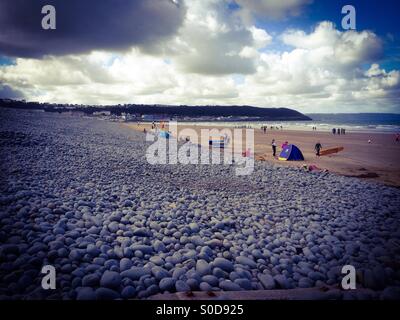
pixel 291 153
pixel 164 134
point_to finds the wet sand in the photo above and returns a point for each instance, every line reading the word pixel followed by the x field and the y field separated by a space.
pixel 378 160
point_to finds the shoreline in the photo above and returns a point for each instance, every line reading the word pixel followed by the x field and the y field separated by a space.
pixel 376 161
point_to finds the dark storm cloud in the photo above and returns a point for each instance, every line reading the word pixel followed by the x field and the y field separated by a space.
pixel 6 92
pixel 84 25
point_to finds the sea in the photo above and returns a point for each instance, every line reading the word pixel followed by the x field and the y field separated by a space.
pixel 352 122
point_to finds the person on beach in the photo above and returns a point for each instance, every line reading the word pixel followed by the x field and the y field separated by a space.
pixel 334 130
pixel 273 144
pixel 318 148
pixel 265 129
pixel 398 137
pixel 338 131
pixel 285 145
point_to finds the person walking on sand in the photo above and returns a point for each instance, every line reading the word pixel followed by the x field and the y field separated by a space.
pixel 318 148
pixel 398 137
pixel 273 144
pixel 334 131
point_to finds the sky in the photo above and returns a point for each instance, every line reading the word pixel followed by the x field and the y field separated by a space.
pixel 265 53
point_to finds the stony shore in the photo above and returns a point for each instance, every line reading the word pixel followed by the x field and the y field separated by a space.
pixel 78 194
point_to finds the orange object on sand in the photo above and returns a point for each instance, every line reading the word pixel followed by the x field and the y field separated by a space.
pixel 330 151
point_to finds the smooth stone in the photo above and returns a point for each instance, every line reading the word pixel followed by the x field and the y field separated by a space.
pixel 178 272
pixel 152 290
pixel 244 283
pixel 193 274
pixel 75 255
pixel 282 281
pixel 219 273
pixel 228 285
pixel 194 227
pixel 141 232
pixel 246 261
pixel 128 292
pixel 211 280
pixel 159 273
pixel 135 273
pixel 128 203
pixel 113 226
pixel 223 264
pixel 167 284
pixel 159 246
pixel 182 286
pixel 192 283
pixel 86 293
pixel 125 264
pixel 266 280
pixel 257 254
pixel 315 275
pixel 143 248
pixel 110 279
pixel 157 260
pixel 306 283
pixel 90 280
pixel 202 267
pixel 197 240
pixel 204 286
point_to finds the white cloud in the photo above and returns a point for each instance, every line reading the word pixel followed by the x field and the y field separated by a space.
pixel 323 72
pixel 344 47
pixel 211 41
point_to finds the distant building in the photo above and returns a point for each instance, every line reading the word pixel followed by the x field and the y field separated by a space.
pixel 102 113
pixel 155 117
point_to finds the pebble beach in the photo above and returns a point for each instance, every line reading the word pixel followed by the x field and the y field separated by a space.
pixel 78 194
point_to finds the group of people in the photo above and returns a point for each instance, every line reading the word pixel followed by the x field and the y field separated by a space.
pixel 264 128
pixel 273 144
pixel 339 131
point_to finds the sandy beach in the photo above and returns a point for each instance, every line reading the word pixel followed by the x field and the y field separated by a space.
pixel 378 160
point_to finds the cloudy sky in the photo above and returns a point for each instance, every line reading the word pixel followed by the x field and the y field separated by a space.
pixel 267 53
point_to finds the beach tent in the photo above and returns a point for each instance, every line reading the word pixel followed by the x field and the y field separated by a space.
pixel 291 153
